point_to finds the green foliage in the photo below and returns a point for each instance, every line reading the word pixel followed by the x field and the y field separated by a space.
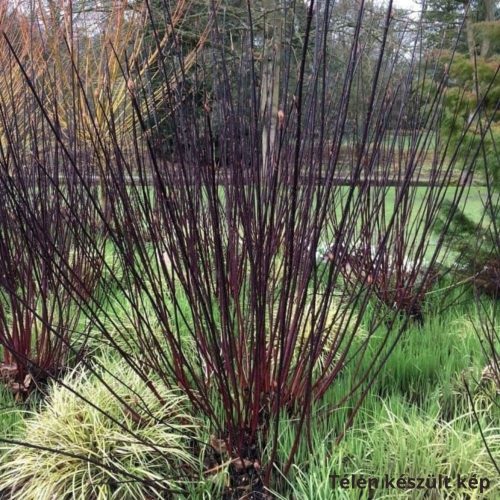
pixel 442 19
pixel 488 30
pixel 418 420
pixel 399 441
pixel 11 415
pixel 466 109
pixel 473 243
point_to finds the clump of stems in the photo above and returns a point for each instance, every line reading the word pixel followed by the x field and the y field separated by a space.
pixel 216 232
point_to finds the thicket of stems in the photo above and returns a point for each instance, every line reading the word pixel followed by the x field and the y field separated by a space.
pixel 244 234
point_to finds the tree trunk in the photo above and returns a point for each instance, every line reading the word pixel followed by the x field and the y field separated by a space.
pixel 489 8
pixel 469 27
pixel 270 82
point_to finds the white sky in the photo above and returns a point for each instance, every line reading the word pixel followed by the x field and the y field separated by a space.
pixel 406 4
pixel 403 4
pixel 414 6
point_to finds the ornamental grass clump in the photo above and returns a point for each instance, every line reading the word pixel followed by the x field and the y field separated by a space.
pixel 104 438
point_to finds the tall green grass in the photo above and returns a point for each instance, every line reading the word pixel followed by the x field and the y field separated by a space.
pixel 417 421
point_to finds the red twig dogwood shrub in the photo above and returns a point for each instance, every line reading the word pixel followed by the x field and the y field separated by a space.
pixel 216 220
